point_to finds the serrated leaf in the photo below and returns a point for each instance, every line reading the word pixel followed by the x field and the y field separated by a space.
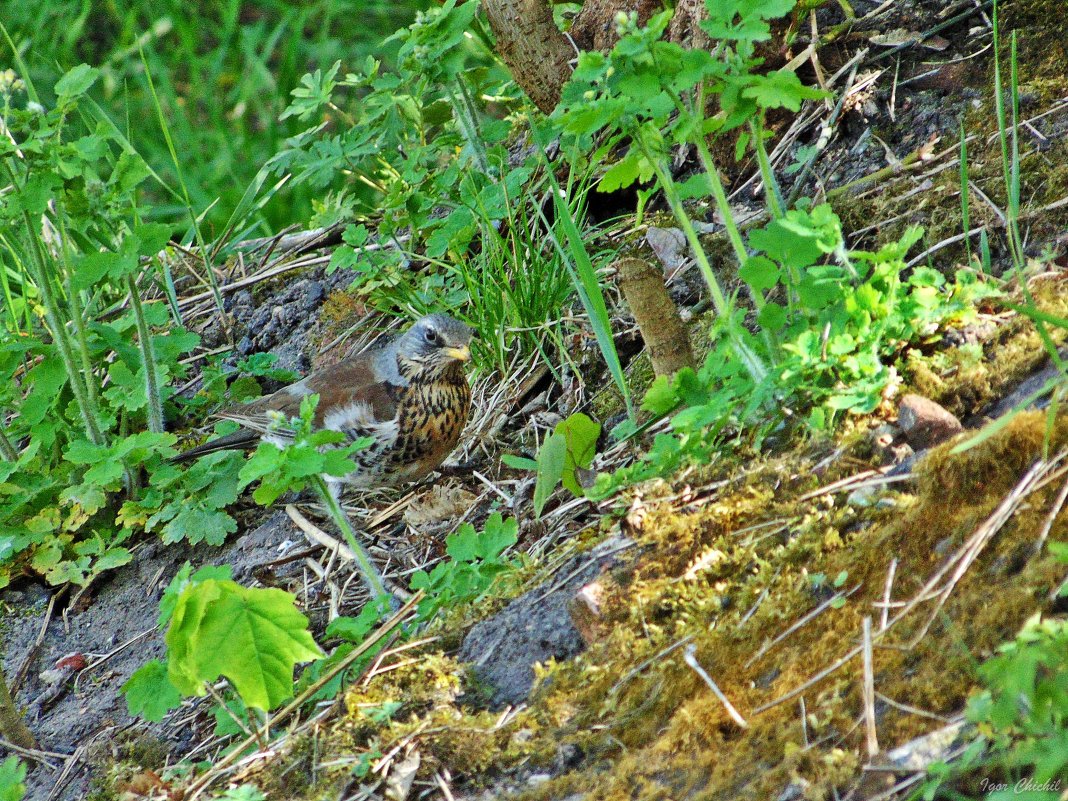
pixel 182 579
pixel 661 398
pixel 197 524
pixel 252 637
pixel 780 89
pixel 497 535
pixel 462 545
pixel 112 558
pixel 621 174
pixel 149 693
pixel 760 272
pixel 77 81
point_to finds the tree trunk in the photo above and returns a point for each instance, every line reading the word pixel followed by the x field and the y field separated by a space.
pixel 657 316
pixel 595 26
pixel 534 49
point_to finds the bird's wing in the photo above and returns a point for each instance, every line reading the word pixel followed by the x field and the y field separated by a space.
pixel 351 396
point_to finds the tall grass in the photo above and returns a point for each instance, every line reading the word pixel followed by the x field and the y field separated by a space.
pixel 223 74
pixel 1008 121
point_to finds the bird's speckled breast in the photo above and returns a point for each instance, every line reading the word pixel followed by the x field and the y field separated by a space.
pixel 431 417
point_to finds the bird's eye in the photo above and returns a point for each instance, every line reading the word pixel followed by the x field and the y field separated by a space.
pixel 431 336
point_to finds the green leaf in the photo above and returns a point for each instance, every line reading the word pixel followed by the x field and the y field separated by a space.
pixel 772 317
pixel 661 397
pixel 12 778
pixel 552 456
pixel 253 637
pixel 149 693
pixel 760 272
pixel 498 535
pixel 696 186
pixel 183 579
pixel 780 89
pixel 621 174
pixel 581 435
pixel 356 629
pixel 462 545
pixel 518 462
pixel 112 558
pixel 76 82
pixel 151 238
pixel 197 524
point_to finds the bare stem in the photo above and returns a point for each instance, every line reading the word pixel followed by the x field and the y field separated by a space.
pixel 370 573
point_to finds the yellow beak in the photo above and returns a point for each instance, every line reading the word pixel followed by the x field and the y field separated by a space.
pixel 462 353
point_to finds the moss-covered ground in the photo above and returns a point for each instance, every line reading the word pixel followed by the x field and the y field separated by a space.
pixel 727 563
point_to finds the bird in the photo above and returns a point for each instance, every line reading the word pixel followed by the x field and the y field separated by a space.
pixel 409 395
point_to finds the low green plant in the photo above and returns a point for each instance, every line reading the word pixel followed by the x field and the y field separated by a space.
pixel 413 140
pixel 12 779
pixel 88 356
pixel 1020 718
pixel 254 637
pixel 475 561
pixel 583 274
pixel 221 79
pixel 1008 140
pixel 312 454
pixel 651 95
pixel 841 326
pixel 569 448
pixel 215 627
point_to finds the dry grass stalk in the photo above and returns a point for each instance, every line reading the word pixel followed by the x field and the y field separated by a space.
pixel 807 618
pixel 689 656
pixel 1055 510
pixel 871 735
pixel 961 561
pixel 885 615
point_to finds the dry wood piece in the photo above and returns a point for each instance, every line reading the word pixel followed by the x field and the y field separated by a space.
pixel 585 611
pixel 657 317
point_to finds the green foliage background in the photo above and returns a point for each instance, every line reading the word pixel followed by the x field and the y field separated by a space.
pixel 223 72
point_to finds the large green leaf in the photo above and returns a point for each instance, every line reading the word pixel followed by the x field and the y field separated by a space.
pixel 253 637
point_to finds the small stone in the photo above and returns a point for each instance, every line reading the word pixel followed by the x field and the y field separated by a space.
pixel 585 611
pixel 925 423
pixel 669 246
pixel 863 497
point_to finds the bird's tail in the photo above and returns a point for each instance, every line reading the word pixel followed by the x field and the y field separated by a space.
pixel 239 440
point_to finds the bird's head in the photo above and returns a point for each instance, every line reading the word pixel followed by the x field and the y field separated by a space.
pixel 435 343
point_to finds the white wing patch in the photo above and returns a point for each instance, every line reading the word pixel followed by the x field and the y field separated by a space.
pixel 357 420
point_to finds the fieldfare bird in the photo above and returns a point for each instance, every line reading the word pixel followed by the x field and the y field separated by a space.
pixel 410 396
